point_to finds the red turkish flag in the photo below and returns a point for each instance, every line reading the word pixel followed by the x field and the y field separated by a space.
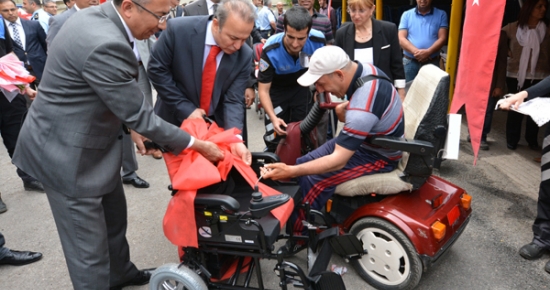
pixel 480 37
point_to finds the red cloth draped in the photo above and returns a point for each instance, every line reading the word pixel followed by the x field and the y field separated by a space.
pixel 190 171
pixel 475 69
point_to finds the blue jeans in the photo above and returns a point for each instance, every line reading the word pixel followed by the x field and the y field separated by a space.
pixel 412 67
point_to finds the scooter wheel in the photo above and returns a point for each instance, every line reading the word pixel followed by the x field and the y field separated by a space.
pixel 391 261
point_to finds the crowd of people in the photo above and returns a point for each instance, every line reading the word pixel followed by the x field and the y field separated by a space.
pixel 92 101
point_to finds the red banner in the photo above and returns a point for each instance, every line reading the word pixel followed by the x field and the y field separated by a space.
pixel 478 52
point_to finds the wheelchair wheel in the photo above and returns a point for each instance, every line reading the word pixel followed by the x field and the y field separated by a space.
pixel 391 261
pixel 170 276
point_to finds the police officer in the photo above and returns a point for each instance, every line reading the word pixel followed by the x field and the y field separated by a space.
pixel 283 99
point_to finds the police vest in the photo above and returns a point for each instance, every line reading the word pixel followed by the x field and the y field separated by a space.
pixel 284 63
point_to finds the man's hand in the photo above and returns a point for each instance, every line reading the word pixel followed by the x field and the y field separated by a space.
pixel 277 171
pixel 249 97
pixel 139 139
pixel 277 124
pixel 401 92
pixel 209 150
pixel 497 93
pixel 30 92
pixel 239 150
pixel 422 55
pixel 341 111
pixel 263 40
pixel 197 114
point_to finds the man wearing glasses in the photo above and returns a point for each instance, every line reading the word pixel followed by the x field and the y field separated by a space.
pixel 72 142
pixel 208 75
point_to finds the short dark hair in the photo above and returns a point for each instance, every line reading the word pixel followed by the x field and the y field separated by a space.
pixel 37 2
pixel 526 10
pixel 66 1
pixel 298 18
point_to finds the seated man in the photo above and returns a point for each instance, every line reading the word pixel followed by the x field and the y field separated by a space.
pixel 374 109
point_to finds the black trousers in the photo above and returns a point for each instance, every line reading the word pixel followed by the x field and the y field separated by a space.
pixel 541 227
pixel 513 123
pixel 11 118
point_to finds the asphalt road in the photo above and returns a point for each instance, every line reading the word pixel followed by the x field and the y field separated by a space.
pixel 485 257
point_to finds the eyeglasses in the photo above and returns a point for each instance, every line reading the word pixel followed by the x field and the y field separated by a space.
pixel 354 11
pixel 161 19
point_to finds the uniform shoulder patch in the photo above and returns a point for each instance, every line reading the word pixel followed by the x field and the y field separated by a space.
pixel 35 17
pixel 263 65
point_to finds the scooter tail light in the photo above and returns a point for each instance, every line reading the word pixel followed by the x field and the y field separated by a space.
pixel 438 230
pixel 328 206
pixel 466 201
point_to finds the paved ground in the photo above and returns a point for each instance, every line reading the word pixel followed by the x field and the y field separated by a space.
pixel 504 186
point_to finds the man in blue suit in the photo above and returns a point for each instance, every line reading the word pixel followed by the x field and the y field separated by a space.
pixel 29 39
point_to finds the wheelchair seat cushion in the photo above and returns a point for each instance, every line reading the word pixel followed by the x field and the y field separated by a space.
pixel 428 91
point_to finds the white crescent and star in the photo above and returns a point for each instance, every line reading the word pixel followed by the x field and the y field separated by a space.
pixel 475 2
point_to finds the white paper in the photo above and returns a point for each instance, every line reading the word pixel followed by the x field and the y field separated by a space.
pixel 452 143
pixel 538 109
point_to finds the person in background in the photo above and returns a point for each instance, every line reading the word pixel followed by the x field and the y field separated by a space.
pixel 34 7
pixel 371 41
pixel 266 20
pixel 69 4
pixel 422 32
pixel 50 7
pixel 328 12
pixel 528 42
pixel 280 10
pixel 541 226
pixel 320 21
pixel 57 21
pixel 16 258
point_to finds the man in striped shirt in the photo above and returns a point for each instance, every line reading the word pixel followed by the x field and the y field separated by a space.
pixel 374 109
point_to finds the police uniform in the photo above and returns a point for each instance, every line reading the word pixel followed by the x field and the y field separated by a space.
pixel 291 102
pixel 42 17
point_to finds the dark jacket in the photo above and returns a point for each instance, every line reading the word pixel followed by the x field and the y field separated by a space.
pixel 35 44
pixel 387 54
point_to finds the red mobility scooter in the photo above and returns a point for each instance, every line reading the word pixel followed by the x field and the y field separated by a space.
pixel 390 226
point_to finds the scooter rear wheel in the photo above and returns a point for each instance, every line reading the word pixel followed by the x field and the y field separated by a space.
pixel 391 261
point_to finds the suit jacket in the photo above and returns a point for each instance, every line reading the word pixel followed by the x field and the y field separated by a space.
pixel 35 47
pixel 177 76
pixel 196 8
pixel 387 54
pixel 71 138
pixel 56 22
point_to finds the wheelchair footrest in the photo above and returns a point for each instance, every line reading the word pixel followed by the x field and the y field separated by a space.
pixel 347 245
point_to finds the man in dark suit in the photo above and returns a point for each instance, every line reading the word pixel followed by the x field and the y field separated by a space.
pixel 29 39
pixel 57 21
pixel 12 112
pixel 178 77
pixel 90 76
pixel 201 7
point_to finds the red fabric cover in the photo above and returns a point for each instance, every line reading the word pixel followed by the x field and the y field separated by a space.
pixel 475 69
pixel 190 171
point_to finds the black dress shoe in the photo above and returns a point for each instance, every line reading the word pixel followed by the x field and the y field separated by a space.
pixel 3 207
pixel 142 278
pixel 136 182
pixel 547 267
pixel 534 147
pixel 531 251
pixel 17 258
pixel 511 147
pixel 34 185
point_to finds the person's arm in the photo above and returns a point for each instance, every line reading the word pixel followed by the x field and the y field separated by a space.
pixel 256 35
pixel 541 89
pixel 160 74
pixel 405 43
pixel 272 20
pixel 328 163
pixel 396 61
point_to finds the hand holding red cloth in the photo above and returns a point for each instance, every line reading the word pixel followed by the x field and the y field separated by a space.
pixel 190 171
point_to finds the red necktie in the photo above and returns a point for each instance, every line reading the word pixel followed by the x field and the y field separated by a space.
pixel 208 78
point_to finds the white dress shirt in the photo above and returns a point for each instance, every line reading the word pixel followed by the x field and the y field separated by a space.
pixel 19 28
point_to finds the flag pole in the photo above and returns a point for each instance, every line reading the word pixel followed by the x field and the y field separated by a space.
pixel 455 26
pixel 379 9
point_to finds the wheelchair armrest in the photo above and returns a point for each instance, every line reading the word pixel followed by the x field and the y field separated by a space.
pixel 225 201
pixel 268 157
pixel 411 146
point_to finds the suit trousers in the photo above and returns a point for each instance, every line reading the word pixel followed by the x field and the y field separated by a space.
pixel 541 226
pixel 129 161
pixel 11 118
pixel 515 120
pixel 92 231
pixel 3 250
